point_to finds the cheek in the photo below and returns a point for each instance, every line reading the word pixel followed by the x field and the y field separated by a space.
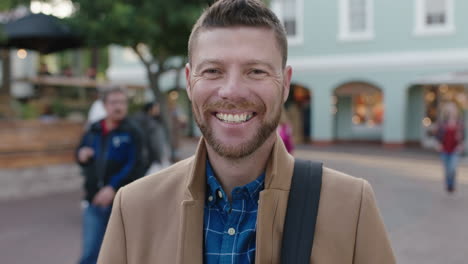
pixel 271 96
pixel 201 92
pixel 197 103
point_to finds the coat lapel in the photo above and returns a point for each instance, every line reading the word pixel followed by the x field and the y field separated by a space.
pixel 272 205
pixel 266 225
pixel 190 246
pixel 190 238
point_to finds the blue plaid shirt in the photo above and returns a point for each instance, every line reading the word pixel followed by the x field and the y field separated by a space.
pixel 230 228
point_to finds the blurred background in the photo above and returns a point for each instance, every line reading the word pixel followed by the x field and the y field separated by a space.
pixel 370 79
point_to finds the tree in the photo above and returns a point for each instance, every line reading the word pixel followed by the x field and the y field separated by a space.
pixel 7 5
pixel 157 30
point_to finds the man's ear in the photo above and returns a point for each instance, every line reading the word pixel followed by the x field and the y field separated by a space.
pixel 188 71
pixel 286 82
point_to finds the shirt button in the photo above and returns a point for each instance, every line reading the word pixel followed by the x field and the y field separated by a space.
pixel 210 198
pixel 220 194
pixel 231 231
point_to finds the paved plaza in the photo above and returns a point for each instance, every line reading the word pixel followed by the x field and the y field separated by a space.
pixel 426 225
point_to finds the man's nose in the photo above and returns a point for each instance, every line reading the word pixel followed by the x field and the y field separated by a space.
pixel 233 87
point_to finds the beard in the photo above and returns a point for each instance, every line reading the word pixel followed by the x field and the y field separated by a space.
pixel 245 149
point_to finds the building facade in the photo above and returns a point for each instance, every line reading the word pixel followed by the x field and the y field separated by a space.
pixel 371 70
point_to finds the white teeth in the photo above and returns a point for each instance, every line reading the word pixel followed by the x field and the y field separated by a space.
pixel 230 118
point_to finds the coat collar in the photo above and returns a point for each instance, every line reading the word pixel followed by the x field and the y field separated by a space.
pixel 277 184
pixel 278 170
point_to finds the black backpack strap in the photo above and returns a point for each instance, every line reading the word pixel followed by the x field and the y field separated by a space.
pixel 301 214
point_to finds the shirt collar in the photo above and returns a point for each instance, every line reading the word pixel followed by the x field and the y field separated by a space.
pixel 215 192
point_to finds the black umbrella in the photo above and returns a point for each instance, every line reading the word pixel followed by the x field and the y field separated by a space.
pixel 40 32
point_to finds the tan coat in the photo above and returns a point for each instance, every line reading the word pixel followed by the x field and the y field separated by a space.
pixel 159 219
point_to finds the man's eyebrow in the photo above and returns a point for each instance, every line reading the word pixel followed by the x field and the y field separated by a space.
pixel 248 63
pixel 207 62
pixel 260 62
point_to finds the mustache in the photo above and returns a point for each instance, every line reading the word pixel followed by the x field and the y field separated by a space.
pixel 117 111
pixel 230 105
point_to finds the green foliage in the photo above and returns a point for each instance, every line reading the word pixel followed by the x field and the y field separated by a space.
pixel 2 35
pixel 59 108
pixel 6 5
pixel 164 26
pixel 28 111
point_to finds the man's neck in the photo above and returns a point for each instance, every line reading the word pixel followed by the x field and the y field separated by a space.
pixel 233 173
pixel 111 124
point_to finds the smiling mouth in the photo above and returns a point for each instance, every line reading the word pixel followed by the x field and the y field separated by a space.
pixel 235 118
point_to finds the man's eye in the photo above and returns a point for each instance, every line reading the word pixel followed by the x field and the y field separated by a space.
pixel 257 71
pixel 211 71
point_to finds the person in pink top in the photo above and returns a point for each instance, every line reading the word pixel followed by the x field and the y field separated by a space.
pixel 285 132
pixel 450 136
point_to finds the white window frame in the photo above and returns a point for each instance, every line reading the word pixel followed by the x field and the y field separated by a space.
pixel 423 29
pixel 297 39
pixel 344 33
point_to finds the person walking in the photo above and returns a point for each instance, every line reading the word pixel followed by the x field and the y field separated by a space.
pixel 107 154
pixel 285 131
pixel 156 149
pixel 450 136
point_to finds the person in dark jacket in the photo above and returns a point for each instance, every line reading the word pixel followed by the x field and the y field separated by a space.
pixel 108 155
pixel 156 149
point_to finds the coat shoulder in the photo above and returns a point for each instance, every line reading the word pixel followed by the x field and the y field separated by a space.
pixel 349 226
pixel 165 185
pixel 341 181
pixel 341 195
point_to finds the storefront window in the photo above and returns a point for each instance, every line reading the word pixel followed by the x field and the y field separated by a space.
pixel 368 110
pixel 436 95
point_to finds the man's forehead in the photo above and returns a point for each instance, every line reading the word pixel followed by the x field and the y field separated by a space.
pixel 233 31
pixel 213 45
pixel 117 95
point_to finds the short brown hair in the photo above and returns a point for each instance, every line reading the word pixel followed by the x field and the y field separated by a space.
pixel 249 13
pixel 112 89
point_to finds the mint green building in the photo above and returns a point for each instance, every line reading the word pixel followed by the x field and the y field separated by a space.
pixel 363 70
pixel 374 70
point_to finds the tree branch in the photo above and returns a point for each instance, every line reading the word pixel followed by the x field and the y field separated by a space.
pixel 142 59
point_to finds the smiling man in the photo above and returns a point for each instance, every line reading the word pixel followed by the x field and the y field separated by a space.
pixel 227 203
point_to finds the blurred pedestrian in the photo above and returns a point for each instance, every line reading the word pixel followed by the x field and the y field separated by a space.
pixel 285 131
pixel 67 71
pixel 48 115
pixel 156 149
pixel 229 201
pixel 450 136
pixel 43 70
pixel 91 73
pixel 107 155
pixel 179 123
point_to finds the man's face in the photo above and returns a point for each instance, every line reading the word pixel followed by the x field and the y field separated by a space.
pixel 116 106
pixel 237 85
